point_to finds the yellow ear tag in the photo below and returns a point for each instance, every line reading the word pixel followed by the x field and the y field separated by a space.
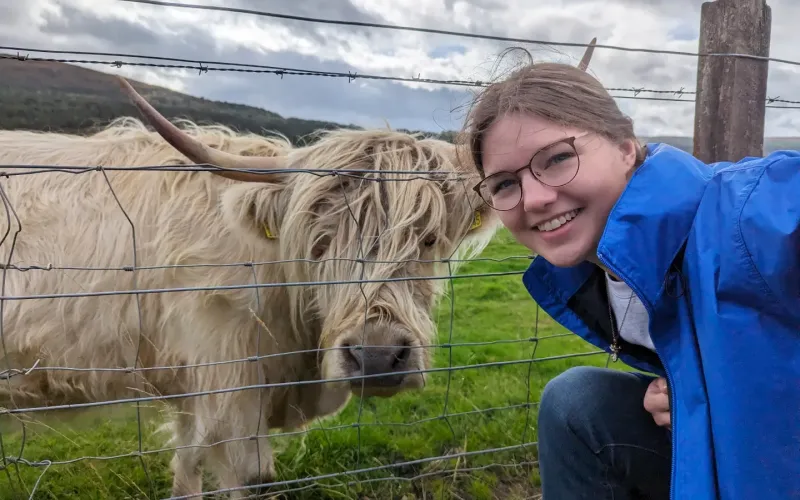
pixel 476 222
pixel 268 233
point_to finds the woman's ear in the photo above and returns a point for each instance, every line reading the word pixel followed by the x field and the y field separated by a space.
pixel 630 150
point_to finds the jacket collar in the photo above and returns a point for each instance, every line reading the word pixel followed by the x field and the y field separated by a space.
pixel 646 229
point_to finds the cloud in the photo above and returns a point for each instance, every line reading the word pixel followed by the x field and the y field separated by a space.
pixel 241 38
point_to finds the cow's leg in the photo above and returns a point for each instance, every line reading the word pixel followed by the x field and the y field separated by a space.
pixel 188 459
pixel 240 459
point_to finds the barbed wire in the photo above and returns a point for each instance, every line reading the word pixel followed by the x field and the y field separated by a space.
pixel 463 34
pixel 221 66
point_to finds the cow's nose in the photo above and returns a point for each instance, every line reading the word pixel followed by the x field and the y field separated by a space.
pixel 378 359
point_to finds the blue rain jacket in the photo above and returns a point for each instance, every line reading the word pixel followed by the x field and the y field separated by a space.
pixel 714 253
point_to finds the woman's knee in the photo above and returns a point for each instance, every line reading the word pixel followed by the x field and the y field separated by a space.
pixel 585 393
pixel 565 395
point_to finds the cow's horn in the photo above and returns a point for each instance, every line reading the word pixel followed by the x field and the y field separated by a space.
pixel 199 152
pixel 587 56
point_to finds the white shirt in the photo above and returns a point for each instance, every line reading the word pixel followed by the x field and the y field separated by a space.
pixel 631 316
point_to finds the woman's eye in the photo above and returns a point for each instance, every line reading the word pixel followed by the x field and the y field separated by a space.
pixel 503 184
pixel 558 158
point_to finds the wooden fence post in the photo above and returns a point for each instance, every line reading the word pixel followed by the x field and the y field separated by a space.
pixel 732 91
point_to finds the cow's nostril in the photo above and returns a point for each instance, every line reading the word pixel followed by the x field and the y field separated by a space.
pixel 355 356
pixel 401 355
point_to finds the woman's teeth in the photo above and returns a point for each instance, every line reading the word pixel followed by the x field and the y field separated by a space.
pixel 558 221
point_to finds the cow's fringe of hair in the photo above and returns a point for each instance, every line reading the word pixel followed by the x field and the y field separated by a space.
pixel 388 220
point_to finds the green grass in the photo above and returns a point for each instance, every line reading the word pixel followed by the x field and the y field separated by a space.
pixel 486 309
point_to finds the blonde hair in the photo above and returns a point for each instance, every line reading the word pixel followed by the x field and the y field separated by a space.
pixel 563 94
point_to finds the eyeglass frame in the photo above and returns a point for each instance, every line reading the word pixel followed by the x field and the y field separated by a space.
pixel 569 140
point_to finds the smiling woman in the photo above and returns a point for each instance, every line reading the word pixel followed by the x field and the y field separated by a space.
pixel 651 235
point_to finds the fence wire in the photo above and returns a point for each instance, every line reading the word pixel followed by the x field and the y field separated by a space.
pixel 463 34
pixel 360 471
pixel 203 66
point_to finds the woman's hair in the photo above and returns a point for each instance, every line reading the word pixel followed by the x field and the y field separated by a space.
pixel 560 93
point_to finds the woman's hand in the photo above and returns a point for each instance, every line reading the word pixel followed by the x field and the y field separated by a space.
pixel 656 401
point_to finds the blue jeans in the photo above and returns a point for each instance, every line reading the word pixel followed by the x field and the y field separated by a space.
pixel 596 440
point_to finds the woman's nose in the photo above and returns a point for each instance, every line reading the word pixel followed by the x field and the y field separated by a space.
pixel 535 195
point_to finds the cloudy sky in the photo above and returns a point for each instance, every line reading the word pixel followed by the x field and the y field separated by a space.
pixel 117 26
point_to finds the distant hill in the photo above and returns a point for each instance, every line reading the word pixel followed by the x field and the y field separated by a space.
pixel 62 97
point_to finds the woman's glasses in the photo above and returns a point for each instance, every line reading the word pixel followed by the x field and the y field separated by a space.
pixel 554 165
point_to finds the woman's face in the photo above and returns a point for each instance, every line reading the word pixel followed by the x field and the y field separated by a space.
pixel 562 224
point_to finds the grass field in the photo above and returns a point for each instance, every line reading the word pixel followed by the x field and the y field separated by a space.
pixel 487 309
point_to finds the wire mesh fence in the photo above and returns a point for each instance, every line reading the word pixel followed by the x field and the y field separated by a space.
pixel 438 428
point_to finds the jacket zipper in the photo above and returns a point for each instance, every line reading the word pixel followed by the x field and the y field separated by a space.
pixel 616 348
